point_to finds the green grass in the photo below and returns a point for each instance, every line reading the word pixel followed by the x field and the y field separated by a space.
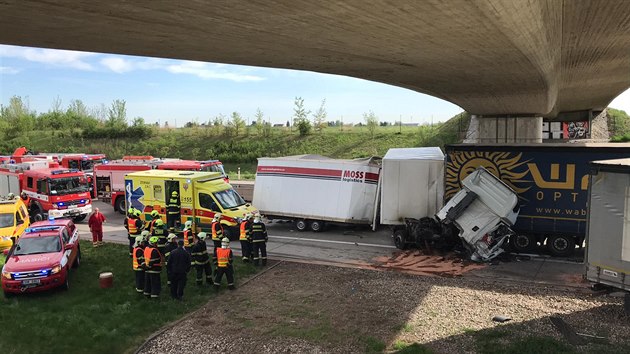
pixel 415 348
pixel 373 345
pixel 503 342
pixel 88 319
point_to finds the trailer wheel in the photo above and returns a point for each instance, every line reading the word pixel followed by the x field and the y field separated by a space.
pixel 120 205
pixel 561 245
pixel 523 243
pixel 301 225
pixel 399 239
pixel 317 226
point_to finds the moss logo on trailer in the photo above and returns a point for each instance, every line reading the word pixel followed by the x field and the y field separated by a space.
pixel 507 166
pixel 134 196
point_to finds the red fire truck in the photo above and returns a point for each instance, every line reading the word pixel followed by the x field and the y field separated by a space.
pixel 54 191
pixel 191 165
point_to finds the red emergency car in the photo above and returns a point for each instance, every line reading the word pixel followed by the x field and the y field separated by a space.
pixel 42 257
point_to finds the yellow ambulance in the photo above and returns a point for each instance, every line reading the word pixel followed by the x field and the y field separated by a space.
pixel 14 220
pixel 201 196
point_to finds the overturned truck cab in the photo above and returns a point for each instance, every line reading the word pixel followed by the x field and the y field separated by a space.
pixel 479 217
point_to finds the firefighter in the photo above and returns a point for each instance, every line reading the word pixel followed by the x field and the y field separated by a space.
pixel 217 233
pixel 155 216
pixel 178 266
pixel 153 268
pixel 27 201
pixel 188 235
pixel 201 259
pixel 223 265
pixel 245 237
pixel 134 226
pixel 173 211
pixel 138 263
pixel 170 246
pixel 259 240
pixel 159 230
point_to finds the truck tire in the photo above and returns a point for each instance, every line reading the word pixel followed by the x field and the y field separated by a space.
pixel 78 219
pixel 301 225
pixel 38 215
pixel 523 243
pixel 561 245
pixel 120 205
pixel 66 284
pixel 317 226
pixel 77 261
pixel 400 236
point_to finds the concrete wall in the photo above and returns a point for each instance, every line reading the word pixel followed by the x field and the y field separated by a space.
pixel 504 130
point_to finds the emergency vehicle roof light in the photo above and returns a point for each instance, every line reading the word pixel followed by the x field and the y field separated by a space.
pixel 42 228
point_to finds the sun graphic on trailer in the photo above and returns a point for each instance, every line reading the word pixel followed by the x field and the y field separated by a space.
pixel 505 165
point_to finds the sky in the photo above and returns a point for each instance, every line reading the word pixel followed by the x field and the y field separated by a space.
pixel 179 91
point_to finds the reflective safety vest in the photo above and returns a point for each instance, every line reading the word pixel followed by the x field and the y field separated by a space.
pixel 138 258
pixel 188 238
pixel 244 236
pixel 173 206
pixel 151 226
pixel 217 231
pixel 223 257
pixel 131 224
pixel 151 260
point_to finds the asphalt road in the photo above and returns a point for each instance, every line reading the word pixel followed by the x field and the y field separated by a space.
pixel 352 245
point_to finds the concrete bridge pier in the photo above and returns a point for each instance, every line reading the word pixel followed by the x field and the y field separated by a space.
pixel 504 129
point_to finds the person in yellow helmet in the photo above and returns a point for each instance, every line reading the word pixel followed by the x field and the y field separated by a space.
pixel 173 210
pixel 153 268
pixel 159 230
pixel 155 216
pixel 134 227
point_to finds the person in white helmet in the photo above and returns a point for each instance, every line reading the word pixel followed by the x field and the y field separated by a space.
pixel 171 245
pixel 217 233
pixel 201 259
pixel 259 241
pixel 245 236
pixel 188 235
pixel 223 265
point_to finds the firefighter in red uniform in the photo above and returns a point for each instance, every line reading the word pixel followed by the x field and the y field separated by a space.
pixel 153 268
pixel 245 228
pixel 138 263
pixel 223 264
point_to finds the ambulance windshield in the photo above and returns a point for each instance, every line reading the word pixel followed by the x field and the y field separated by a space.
pixel 229 199
pixel 68 185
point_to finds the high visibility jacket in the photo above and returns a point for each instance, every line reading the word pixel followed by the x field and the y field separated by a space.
pixel 151 226
pixel 160 232
pixel 224 257
pixel 153 259
pixel 188 237
pixel 172 207
pixel 168 249
pixel 199 253
pixel 259 232
pixel 217 231
pixel 138 258
pixel 245 231
pixel 132 226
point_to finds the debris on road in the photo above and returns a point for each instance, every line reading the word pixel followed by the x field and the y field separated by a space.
pixel 416 262
pixel 501 319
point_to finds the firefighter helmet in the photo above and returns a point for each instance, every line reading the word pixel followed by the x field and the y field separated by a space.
pixel 138 212
pixel 202 235
pixel 174 194
pixel 10 196
pixel 145 234
pixel 217 216
pixel 153 240
pixel 159 222
pixel 188 224
pixel 171 237
pixel 131 211
pixel 155 214
pixel 225 242
pixel 139 240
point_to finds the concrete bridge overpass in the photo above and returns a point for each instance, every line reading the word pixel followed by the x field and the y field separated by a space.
pixel 498 58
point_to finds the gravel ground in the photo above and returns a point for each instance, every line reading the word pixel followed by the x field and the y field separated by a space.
pixel 305 308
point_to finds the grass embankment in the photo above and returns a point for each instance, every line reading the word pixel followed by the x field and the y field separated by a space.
pixel 88 319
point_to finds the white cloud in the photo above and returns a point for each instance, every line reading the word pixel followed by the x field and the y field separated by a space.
pixel 117 65
pixel 65 58
pixel 8 70
pixel 211 71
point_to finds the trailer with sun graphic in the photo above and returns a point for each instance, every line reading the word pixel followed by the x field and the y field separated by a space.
pixel 551 181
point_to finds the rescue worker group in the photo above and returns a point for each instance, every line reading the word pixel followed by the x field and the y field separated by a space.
pixel 154 245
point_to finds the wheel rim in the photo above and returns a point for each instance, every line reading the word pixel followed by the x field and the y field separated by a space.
pixel 315 226
pixel 560 244
pixel 301 225
pixel 522 241
pixel 398 241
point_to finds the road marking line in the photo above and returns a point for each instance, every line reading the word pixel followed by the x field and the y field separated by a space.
pixel 331 241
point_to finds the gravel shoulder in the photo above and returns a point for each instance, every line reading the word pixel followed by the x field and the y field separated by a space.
pixel 307 308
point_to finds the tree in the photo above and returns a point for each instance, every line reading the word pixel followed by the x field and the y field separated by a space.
pixel 237 122
pixel 117 114
pixel 267 129
pixel 16 118
pixel 371 121
pixel 300 117
pixel 260 120
pixel 319 118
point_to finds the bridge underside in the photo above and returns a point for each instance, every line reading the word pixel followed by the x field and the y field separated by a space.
pixel 534 58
